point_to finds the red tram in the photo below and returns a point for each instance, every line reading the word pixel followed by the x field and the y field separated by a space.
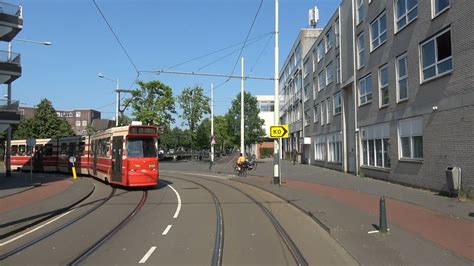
pixel 124 156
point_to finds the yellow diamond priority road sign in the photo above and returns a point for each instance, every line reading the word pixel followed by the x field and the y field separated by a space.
pixel 279 131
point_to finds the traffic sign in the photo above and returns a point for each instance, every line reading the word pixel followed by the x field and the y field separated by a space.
pixel 279 131
pixel 72 159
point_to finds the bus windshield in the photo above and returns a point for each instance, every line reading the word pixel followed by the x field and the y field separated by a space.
pixel 141 147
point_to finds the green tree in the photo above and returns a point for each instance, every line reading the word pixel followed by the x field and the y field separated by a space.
pixel 203 134
pixel 253 130
pixel 124 120
pixel 223 139
pixel 153 103
pixel 44 124
pixel 194 105
pixel 174 138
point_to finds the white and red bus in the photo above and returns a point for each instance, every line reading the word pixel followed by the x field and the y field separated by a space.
pixel 124 156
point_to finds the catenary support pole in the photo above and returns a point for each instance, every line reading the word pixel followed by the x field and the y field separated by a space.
pixel 8 152
pixel 212 123
pixel 117 109
pixel 276 142
pixel 242 131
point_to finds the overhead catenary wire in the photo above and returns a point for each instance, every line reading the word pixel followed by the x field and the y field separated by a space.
pixel 261 53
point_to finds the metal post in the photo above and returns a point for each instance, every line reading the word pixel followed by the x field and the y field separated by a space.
pixel 117 91
pixel 242 143
pixel 8 151
pixel 383 217
pixel 276 142
pixel 212 123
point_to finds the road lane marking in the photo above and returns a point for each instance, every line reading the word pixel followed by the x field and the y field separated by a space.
pixel 167 230
pixel 179 202
pixel 35 229
pixel 147 255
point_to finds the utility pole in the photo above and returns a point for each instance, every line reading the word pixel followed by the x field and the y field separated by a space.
pixel 242 143
pixel 117 109
pixel 276 142
pixel 212 123
pixel 8 167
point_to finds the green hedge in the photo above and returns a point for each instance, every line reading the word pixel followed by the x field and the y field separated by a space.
pixel 266 152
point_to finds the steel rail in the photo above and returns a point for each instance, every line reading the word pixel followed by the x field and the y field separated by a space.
pixel 111 233
pixel 57 229
pixel 295 252
pixel 219 237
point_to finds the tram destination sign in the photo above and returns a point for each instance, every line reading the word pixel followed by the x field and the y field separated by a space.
pixel 279 131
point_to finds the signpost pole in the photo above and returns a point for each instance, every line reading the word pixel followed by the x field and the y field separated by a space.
pixel 276 143
pixel 31 165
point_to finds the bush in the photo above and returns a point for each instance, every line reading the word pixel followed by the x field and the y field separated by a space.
pixel 266 152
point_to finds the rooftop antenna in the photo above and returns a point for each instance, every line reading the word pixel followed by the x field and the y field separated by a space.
pixel 313 17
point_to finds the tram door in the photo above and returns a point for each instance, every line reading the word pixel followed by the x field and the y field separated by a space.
pixel 94 159
pixel 38 158
pixel 117 159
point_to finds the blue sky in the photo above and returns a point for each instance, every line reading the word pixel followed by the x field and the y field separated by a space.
pixel 157 34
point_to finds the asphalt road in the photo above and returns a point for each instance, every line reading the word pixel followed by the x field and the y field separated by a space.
pixel 177 225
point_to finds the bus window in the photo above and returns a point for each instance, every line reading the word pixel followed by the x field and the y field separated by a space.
pixel 140 148
pixel 63 148
pixel 48 150
pixel 72 149
pixel 80 150
pixel 21 150
pixel 14 150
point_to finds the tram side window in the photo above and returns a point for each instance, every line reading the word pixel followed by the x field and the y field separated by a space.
pixel 63 148
pixel 102 147
pixel 81 148
pixel 72 149
pixel 29 150
pixel 21 150
pixel 14 150
pixel 39 149
pixel 48 150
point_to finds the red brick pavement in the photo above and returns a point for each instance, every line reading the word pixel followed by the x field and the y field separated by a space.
pixel 453 234
pixel 42 192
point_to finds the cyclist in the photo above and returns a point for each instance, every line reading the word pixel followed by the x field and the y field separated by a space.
pixel 241 161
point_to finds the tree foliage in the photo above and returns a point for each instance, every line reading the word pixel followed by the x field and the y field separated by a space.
pixel 124 120
pixel 44 124
pixel 174 138
pixel 203 134
pixel 253 130
pixel 153 103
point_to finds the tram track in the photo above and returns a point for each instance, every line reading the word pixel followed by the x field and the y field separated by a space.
pixel 57 229
pixel 283 234
pixel 89 251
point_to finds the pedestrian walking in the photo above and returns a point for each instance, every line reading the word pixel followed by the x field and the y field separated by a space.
pixel 294 155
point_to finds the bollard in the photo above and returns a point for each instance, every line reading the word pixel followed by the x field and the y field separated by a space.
pixel 74 175
pixel 383 216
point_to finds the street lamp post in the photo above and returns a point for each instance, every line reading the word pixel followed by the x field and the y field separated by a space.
pixel 9 100
pixel 117 92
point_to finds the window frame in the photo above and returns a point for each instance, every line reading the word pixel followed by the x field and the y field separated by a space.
pixel 329 70
pixel 436 63
pixel 328 41
pixel 379 33
pixel 365 94
pixel 360 50
pixel 359 9
pixel 433 9
pixel 339 105
pixel 321 85
pixel 320 50
pixel 398 78
pixel 418 119
pixel 404 16
pixel 384 149
pixel 316 113
pixel 381 87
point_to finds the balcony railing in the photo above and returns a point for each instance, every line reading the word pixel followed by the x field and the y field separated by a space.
pixel 9 57
pixel 10 9
pixel 12 106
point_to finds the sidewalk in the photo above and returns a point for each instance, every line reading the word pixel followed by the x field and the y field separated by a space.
pixel 425 228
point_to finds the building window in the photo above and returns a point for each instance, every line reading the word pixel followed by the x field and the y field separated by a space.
pixel 329 73
pixel 320 50
pixel 315 89
pixel 365 90
pixel 78 114
pixel 336 32
pixel 338 69
pixel 378 31
pixel 436 56
pixel 360 51
pixel 405 12
pixel 402 78
pixel 321 81
pixel 297 55
pixel 316 114
pixel 383 86
pixel 334 147
pixel 306 92
pixel 328 110
pixel 410 132
pixel 329 40
pixel 376 146
pixel 320 148
pixel 306 67
pixel 78 123
pixel 439 6
pixel 307 118
pixel 84 123
pixel 360 11
pixel 337 103
pixel 322 113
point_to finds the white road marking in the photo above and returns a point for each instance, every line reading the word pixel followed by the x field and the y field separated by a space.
pixel 215 176
pixel 35 229
pixel 167 230
pixel 147 255
pixel 372 232
pixel 179 202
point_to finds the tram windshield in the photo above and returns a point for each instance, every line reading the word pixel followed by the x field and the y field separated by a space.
pixel 140 147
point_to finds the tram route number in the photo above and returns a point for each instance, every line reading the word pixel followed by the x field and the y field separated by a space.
pixel 279 131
